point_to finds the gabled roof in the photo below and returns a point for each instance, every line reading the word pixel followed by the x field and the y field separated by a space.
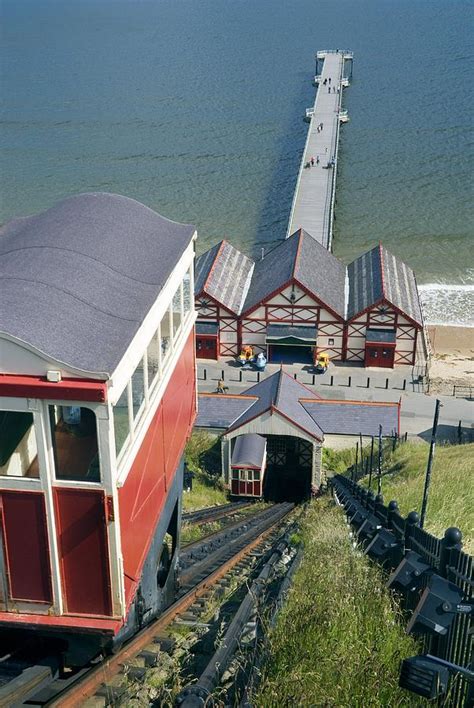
pixel 224 274
pixel 321 273
pixel 354 417
pixel 273 271
pixel 280 393
pixel 79 278
pixel 302 258
pixel 219 410
pixel 378 275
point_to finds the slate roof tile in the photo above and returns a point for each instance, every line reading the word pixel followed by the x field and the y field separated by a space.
pixel 224 274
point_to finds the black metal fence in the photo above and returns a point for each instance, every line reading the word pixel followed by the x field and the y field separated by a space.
pixel 421 564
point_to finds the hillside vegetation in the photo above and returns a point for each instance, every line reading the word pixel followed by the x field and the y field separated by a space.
pixel 337 641
pixel 451 496
pixel 202 456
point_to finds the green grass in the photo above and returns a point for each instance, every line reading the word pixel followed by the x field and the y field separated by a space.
pixel 337 641
pixel 450 501
pixel 202 455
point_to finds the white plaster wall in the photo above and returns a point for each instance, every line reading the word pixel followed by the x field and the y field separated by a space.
pixel 271 424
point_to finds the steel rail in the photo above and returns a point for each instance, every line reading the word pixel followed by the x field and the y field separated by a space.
pixel 213 513
pixel 87 686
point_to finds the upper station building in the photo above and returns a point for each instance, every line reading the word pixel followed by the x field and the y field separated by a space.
pixel 300 300
pixel 97 400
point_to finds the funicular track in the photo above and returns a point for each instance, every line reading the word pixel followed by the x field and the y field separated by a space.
pixel 214 513
pixel 204 566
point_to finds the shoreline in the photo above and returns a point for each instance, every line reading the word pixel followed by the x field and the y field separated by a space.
pixel 452 362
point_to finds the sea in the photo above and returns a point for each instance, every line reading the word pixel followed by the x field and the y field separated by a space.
pixel 195 107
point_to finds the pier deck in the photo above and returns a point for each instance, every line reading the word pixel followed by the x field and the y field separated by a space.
pixel 313 201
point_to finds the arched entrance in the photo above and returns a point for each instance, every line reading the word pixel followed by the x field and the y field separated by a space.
pixel 289 468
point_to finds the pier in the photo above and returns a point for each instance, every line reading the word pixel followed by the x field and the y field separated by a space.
pixel 313 201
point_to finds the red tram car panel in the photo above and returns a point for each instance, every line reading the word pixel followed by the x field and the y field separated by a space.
pixel 179 407
pixel 143 495
pixel 141 500
pixel 25 546
pixel 82 538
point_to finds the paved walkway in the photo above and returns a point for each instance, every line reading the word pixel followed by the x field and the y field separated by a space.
pixel 417 408
pixel 312 207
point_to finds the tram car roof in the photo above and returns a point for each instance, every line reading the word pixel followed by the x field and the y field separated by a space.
pixel 80 277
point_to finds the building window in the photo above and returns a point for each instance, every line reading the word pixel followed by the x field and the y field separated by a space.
pixel 18 449
pixel 121 422
pixel 74 438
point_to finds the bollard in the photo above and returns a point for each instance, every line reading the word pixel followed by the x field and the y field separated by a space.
pixel 332 380
pixel 222 374
pixel 240 375
pixel 392 509
pixel 258 376
pixel 368 381
pixel 349 382
pixel 204 373
pixel 386 383
pixel 294 376
pixel 314 380
pixel 452 541
pixel 404 385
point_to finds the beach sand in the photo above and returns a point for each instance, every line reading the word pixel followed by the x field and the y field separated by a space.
pixel 452 362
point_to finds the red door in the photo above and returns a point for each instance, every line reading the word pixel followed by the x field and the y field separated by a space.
pixel 379 355
pixel 83 552
pixel 206 347
pixel 25 546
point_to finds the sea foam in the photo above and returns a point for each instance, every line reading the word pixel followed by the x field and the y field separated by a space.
pixel 448 303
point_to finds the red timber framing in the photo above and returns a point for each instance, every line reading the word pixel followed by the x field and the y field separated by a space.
pixel 406 332
pixel 211 310
pixel 290 312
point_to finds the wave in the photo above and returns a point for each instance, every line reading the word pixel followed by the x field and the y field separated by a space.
pixel 448 303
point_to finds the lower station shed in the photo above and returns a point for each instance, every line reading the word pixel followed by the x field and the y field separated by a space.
pixel 295 423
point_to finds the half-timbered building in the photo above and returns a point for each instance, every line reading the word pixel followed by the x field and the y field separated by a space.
pixel 384 316
pixel 222 277
pixel 300 300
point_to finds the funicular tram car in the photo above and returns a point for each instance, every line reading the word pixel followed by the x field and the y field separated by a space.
pixel 97 400
pixel 248 465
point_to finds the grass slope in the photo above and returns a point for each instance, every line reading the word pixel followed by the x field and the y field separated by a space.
pixel 337 641
pixel 202 455
pixel 451 496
